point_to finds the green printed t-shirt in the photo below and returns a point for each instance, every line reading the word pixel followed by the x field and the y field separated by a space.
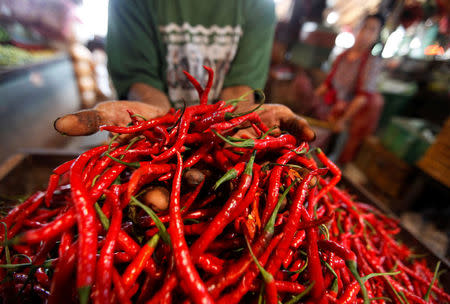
pixel 153 41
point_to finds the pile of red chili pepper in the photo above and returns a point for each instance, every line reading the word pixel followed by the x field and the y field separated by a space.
pixel 186 213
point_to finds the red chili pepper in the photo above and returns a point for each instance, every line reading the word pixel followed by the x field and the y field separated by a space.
pixel 198 138
pixel 42 277
pixel 105 262
pixel 216 117
pixel 146 169
pixel 52 229
pixel 298 239
pixel 414 275
pixel 204 96
pixel 275 183
pixel 192 197
pixel 63 168
pixel 88 169
pixel 86 219
pixel 230 174
pixel 43 215
pixel 195 83
pixel 169 284
pixel 221 161
pixel 231 155
pixel 198 155
pixel 32 224
pixel 285 287
pixel 138 264
pixel 245 283
pixel 336 178
pixel 183 261
pixel 146 221
pixel 119 288
pixel 290 227
pixel 62 276
pixel 166 119
pixel 65 243
pixel 16 211
pixel 210 263
pixel 25 213
pixel 225 216
pixel 251 117
pixel 273 143
pixel 41 254
pixel 105 181
pixel 195 229
pixel 52 184
pixel 349 296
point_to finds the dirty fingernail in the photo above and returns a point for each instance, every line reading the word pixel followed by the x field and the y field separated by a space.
pixel 80 123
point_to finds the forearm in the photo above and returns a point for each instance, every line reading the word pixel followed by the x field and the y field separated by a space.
pixel 354 106
pixel 149 95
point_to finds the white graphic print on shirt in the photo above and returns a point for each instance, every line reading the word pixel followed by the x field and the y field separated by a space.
pixel 189 48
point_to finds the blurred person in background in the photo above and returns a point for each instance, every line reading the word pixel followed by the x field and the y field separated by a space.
pixel 349 98
pixel 151 42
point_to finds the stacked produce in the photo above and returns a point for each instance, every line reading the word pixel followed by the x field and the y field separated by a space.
pixel 186 213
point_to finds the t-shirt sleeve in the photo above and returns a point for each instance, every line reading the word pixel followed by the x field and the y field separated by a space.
pixel 251 63
pixel 131 46
pixel 372 70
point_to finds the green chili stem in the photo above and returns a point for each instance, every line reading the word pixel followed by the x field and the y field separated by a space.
pixel 111 142
pixel 300 295
pixel 286 165
pixel 301 152
pixel 377 274
pixel 436 270
pixel 268 132
pixel 162 229
pixel 103 219
pixel 140 116
pixel 134 164
pixel 325 231
pixel 7 253
pixel 248 143
pixel 229 175
pixel 396 293
pixel 271 223
pixel 381 298
pixel 249 168
pixel 229 116
pixel 267 276
pixel 404 297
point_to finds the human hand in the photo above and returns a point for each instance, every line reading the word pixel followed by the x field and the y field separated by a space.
pixel 281 116
pixel 87 122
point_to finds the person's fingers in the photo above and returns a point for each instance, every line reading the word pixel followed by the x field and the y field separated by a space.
pixel 116 112
pixel 298 127
pixel 276 114
pixel 81 123
pixel 87 122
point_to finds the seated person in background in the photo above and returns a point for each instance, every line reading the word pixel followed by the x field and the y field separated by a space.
pixel 349 99
pixel 151 42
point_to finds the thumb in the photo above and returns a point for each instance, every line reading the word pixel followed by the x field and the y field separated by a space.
pixel 84 122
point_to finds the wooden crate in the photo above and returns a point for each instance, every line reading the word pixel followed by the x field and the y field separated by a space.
pixel 384 170
pixel 436 161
